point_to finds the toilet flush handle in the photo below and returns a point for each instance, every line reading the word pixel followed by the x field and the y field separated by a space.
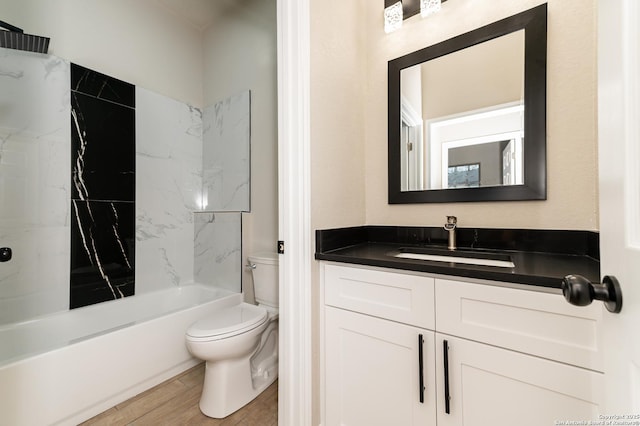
pixel 250 265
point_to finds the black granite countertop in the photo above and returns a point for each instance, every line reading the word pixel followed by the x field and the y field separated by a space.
pixel 540 257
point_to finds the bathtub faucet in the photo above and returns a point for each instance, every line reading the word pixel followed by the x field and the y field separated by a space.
pixel 450 226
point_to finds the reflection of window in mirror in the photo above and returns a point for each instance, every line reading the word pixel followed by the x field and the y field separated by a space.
pixel 464 176
pixel 499 158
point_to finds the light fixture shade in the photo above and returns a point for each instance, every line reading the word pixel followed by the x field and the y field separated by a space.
pixel 428 7
pixel 393 17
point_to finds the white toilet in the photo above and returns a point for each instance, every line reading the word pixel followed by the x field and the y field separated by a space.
pixel 239 344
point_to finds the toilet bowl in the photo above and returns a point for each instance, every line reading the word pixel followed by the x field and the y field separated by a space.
pixel 239 345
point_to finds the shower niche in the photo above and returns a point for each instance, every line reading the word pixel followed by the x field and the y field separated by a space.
pixel 226 192
pixel 226 152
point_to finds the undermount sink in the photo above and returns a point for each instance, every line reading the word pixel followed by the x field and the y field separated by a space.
pixel 456 256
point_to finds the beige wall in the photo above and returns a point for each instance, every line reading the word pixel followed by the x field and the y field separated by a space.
pixel 571 117
pixel 338 88
pixel 338 147
pixel 135 41
pixel 249 63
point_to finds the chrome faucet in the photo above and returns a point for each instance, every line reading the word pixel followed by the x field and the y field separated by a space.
pixel 450 226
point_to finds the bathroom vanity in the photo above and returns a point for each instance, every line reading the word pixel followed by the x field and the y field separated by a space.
pixel 409 341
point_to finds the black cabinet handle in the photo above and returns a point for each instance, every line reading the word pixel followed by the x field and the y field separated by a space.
pixel 447 396
pixel 421 366
pixel 579 291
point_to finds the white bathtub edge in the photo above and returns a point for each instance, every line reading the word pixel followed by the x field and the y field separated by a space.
pixel 74 383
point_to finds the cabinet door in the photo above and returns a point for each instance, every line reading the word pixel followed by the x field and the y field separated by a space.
pixel 493 386
pixel 531 322
pixel 372 372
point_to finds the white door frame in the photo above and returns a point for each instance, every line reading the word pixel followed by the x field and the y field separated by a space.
pixel 294 397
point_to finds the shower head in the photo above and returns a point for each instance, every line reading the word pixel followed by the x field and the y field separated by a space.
pixel 14 38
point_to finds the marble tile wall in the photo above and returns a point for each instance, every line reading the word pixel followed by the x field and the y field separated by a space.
pixel 103 155
pixel 218 249
pixel 168 189
pixel 35 184
pixel 226 154
pixel 171 248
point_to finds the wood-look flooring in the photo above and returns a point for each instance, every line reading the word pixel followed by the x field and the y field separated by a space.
pixel 175 402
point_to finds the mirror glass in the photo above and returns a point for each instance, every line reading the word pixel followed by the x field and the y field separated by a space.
pixel 459 112
pixel 467 116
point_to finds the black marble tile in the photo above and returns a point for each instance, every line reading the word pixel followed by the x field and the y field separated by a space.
pixel 331 239
pixel 533 240
pixel 530 268
pixel 102 251
pixel 541 257
pixel 103 149
pixel 101 86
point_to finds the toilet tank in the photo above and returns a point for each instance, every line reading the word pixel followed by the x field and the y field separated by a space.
pixel 265 278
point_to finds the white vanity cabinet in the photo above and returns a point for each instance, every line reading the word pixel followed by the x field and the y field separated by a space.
pixel 513 356
pixel 375 323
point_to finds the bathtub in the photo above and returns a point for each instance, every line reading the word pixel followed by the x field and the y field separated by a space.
pixel 65 368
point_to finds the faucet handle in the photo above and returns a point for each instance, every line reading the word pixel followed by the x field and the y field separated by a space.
pixel 452 222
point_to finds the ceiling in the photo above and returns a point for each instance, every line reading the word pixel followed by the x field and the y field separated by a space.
pixel 200 13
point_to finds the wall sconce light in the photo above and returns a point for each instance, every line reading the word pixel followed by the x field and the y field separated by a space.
pixel 396 11
pixel 428 7
pixel 393 17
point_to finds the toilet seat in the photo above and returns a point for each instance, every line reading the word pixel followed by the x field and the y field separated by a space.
pixel 228 322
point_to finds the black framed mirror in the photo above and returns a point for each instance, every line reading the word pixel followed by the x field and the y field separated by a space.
pixel 467 116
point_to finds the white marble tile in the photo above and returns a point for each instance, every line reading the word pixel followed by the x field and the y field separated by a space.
pixel 226 154
pixel 38 87
pixel 168 189
pixel 34 184
pixel 34 139
pixel 36 280
pixel 218 249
